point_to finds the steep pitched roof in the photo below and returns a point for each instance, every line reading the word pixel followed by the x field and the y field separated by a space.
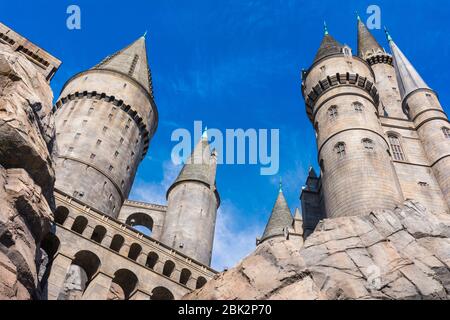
pixel 328 47
pixel 280 219
pixel 366 41
pixel 199 166
pixel 131 61
pixel 408 78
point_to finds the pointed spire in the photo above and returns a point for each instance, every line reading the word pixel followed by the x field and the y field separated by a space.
pixel 366 41
pixel 312 173
pixel 388 35
pixel 205 134
pixel 325 28
pixel 408 78
pixel 200 166
pixel 329 46
pixel 357 16
pixel 131 61
pixel 281 185
pixel 280 219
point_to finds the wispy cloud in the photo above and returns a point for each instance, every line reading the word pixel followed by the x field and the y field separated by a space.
pixel 155 192
pixel 235 236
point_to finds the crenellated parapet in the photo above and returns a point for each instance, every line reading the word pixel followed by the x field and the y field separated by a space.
pixel 339 79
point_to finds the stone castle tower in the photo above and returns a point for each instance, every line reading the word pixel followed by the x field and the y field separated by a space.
pixel 105 120
pixel 382 134
pixel 193 201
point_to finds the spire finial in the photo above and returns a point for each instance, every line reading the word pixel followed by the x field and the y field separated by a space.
pixel 205 134
pixel 357 15
pixel 325 28
pixel 281 185
pixel 388 35
pixel 145 34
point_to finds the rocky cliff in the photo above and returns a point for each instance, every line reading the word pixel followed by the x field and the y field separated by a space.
pixel 398 254
pixel 26 173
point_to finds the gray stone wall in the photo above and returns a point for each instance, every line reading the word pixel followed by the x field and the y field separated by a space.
pixel 190 220
pixel 137 267
pixel 429 119
pixel 104 121
pixel 357 180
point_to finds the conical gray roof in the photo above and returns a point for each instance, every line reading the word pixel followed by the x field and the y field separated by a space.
pixel 280 219
pixel 328 47
pixel 366 41
pixel 408 78
pixel 131 61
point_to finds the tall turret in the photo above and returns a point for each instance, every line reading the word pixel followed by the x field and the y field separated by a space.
pixel 193 201
pixel 342 103
pixel 385 78
pixel 105 119
pixel 280 223
pixel 424 109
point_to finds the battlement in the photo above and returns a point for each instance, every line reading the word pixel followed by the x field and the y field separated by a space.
pixel 45 62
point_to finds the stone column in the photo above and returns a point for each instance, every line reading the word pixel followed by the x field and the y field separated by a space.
pixel 159 267
pixel 142 259
pixel 57 276
pixel 139 295
pixel 99 287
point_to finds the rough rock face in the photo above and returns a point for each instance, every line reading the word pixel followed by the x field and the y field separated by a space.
pixel 399 254
pixel 26 122
pixel 26 173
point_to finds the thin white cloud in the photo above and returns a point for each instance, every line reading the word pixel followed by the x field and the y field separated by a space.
pixel 235 236
pixel 155 192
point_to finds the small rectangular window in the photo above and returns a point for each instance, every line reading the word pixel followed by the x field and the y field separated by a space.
pixel 116 154
pixel 111 168
pixel 105 129
pixel 92 156
pixel 77 136
pixel 99 142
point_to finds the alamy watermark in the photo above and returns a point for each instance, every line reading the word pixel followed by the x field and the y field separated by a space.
pixel 234 147
pixel 374 20
pixel 73 21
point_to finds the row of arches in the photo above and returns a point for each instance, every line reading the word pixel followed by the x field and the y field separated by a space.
pixel 135 250
pixel 124 284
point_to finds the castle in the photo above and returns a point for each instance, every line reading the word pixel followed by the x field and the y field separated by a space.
pixel 382 138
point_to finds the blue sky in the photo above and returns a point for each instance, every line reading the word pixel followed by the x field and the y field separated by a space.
pixel 231 64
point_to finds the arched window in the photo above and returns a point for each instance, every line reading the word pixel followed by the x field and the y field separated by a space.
pixel 368 144
pixel 200 282
pixel 61 215
pixel 80 224
pixel 396 147
pixel 142 222
pixel 83 268
pixel 161 293
pixel 446 132
pixel 123 285
pixel 98 234
pixel 152 259
pixel 135 251
pixel 333 112
pixel 340 150
pixel 117 243
pixel 169 266
pixel 358 106
pixel 185 276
